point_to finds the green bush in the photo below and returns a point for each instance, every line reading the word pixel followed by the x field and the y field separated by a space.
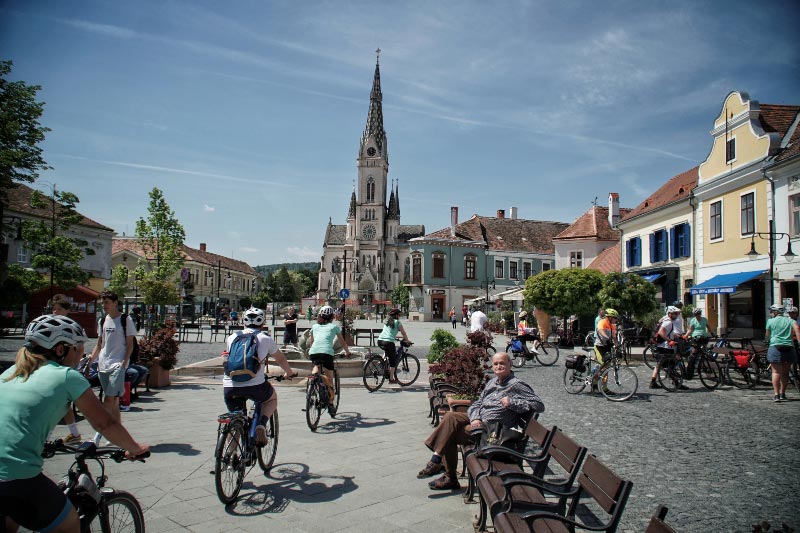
pixel 443 341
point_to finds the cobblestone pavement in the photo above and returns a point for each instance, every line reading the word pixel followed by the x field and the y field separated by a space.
pixel 719 460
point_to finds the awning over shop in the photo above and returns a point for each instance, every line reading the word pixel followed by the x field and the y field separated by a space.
pixel 652 277
pixel 512 295
pixel 725 283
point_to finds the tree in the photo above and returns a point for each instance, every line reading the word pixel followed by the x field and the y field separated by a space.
pixel 20 134
pixel 283 288
pixel 161 237
pixel 399 296
pixel 304 283
pixel 53 251
pixel 630 294
pixel 19 284
pixel 119 280
pixel 564 292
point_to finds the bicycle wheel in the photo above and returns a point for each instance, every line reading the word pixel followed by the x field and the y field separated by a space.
pixel 618 383
pixel 266 454
pixel 574 381
pixel 709 371
pixel 794 376
pixel 627 350
pixel 490 351
pixel 548 354
pixel 337 387
pixel 229 467
pixel 120 512
pixel 407 370
pixel 741 378
pixel 553 338
pixel 314 403
pixel 374 373
pixel 517 359
pixel 589 340
pixel 670 374
pixel 649 356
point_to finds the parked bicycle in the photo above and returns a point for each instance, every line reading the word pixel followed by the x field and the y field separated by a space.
pixel 100 508
pixel 237 450
pixel 318 398
pixel 705 363
pixel 616 382
pixel 546 353
pixel 376 368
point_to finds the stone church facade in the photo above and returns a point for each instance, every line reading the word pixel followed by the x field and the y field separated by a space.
pixel 370 254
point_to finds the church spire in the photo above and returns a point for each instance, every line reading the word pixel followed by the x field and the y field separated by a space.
pixel 374 127
pixel 397 198
pixel 391 213
pixel 351 213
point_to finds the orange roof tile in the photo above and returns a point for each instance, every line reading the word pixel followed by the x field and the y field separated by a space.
pixel 593 224
pixel 521 235
pixel 777 118
pixel 191 254
pixel 608 260
pixel 19 201
pixel 676 189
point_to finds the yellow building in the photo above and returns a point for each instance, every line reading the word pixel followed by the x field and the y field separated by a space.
pixel 736 213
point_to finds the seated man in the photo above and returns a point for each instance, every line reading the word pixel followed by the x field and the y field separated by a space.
pixel 505 399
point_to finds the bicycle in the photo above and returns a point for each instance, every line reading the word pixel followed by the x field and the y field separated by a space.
pixel 619 383
pixel 237 450
pixel 376 368
pixel 547 352
pixel 671 369
pixel 317 397
pixel 100 508
pixel 706 365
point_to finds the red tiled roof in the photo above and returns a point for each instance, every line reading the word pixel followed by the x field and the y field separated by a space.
pixel 677 188
pixel 608 260
pixel 593 224
pixel 777 118
pixel 19 201
pixel 191 254
pixel 521 235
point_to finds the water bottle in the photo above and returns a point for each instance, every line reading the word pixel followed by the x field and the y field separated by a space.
pixel 87 484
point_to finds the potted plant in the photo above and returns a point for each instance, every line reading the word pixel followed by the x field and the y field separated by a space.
pixel 159 352
pixel 464 368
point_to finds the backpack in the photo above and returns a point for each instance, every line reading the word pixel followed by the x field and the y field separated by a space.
pixel 124 320
pixel 242 363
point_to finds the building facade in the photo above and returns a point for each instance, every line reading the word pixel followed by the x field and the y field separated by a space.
pixel 369 255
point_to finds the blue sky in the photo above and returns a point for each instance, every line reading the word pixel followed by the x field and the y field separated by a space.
pixel 248 114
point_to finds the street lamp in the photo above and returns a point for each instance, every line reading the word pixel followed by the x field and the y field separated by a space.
pixel 487 285
pixel 345 261
pixel 772 236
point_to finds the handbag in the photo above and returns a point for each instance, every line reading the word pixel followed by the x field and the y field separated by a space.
pixel 497 435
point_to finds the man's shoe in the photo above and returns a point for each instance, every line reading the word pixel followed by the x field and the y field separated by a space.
pixel 261 435
pixel 72 439
pixel 776 398
pixel 783 398
pixel 445 483
pixel 124 408
pixel 332 410
pixel 431 469
pixel 654 385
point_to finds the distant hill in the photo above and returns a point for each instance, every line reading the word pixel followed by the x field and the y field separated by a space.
pixel 264 270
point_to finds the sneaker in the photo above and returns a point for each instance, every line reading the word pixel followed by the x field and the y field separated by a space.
pixel 654 385
pixel 72 439
pixel 776 398
pixel 431 469
pixel 332 410
pixel 124 408
pixel 261 435
pixel 783 398
pixel 445 483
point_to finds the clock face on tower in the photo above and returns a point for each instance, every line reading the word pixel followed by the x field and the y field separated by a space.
pixel 370 151
pixel 368 232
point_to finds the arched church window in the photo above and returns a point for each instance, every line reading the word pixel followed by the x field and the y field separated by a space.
pixel 370 189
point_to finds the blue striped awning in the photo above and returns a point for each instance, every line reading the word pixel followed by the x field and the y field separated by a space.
pixel 725 283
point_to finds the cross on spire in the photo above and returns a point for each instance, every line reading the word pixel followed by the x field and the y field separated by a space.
pixel 378 53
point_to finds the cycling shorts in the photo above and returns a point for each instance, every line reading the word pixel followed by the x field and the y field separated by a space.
pixel 600 351
pixel 390 350
pixel 35 503
pixel 236 397
pixel 324 359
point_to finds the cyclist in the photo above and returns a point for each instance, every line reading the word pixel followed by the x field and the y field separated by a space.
pixel 698 330
pixel 322 336
pixel 258 389
pixel 386 340
pixel 604 337
pixel 667 333
pixel 60 305
pixel 34 395
pixel 525 333
pixel 780 354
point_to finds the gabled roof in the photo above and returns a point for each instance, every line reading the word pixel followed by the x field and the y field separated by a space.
pixel 777 118
pixel 410 231
pixel 336 234
pixel 19 201
pixel 593 224
pixel 608 260
pixel 130 245
pixel 519 235
pixel 677 188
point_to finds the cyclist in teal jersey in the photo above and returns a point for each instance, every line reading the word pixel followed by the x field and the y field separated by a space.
pixel 323 335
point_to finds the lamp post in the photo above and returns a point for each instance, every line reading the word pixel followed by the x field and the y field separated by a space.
pixel 219 282
pixel 771 236
pixel 353 261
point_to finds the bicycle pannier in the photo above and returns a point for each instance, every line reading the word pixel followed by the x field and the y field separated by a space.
pixel 516 346
pixel 242 362
pixel 575 362
pixel 742 358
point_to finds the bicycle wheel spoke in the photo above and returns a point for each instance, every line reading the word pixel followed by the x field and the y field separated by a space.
pixel 313 405
pixel 229 467
pixel 548 354
pixel 374 373
pixel 124 515
pixel 266 454
pixel 648 357
pixel 709 372
pixel 407 370
pixel 574 381
pixel 618 383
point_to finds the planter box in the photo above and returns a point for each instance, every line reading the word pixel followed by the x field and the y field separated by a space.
pixel 158 376
pixel 458 406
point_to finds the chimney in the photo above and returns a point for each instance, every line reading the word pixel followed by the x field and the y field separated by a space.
pixel 513 212
pixel 613 209
pixel 453 220
pixel 501 214
pixel 202 247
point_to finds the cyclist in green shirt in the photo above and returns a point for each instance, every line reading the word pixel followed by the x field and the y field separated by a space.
pixel 698 329
pixel 386 341
pixel 781 353
pixel 323 335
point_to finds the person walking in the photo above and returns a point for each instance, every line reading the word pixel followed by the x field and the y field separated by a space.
pixel 477 320
pixel 781 353
pixel 453 319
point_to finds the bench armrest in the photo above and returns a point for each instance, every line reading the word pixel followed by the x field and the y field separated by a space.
pixel 489 452
pixel 511 478
pixel 531 516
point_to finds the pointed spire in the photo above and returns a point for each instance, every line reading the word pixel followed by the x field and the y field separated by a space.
pixel 394 207
pixel 374 126
pixel 397 198
pixel 351 213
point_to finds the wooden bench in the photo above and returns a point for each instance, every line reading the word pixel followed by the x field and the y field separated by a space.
pixel 217 329
pixel 603 487
pixel 187 329
pixel 498 489
pixel 657 524
pixel 367 333
pixel 232 328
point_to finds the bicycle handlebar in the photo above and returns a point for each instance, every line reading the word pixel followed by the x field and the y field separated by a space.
pixel 88 450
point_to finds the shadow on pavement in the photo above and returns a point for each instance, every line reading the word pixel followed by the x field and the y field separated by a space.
pixel 293 483
pixel 346 422
pixel 179 448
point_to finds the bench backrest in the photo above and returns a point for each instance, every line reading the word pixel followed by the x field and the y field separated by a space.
pixel 605 487
pixel 567 453
pixel 657 524
pixel 536 432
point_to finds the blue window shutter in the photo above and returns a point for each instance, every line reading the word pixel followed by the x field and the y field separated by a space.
pixel 664 245
pixel 673 242
pixel 653 252
pixel 628 247
pixel 687 241
pixel 637 258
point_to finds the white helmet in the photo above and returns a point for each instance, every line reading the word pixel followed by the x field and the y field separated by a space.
pixel 253 317
pixel 326 310
pixel 777 308
pixel 49 330
pixel 673 309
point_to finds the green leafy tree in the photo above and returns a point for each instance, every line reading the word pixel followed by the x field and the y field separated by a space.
pixel 399 296
pixel 119 280
pixel 304 283
pixel 20 134
pixel 19 284
pixel 161 237
pixel 564 292
pixel 52 250
pixel 283 287
pixel 159 292
pixel 630 294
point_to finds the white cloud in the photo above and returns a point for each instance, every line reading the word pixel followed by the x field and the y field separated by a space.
pixel 208 208
pixel 249 249
pixel 302 253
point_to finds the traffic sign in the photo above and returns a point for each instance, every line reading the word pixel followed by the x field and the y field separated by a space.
pixel 344 294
